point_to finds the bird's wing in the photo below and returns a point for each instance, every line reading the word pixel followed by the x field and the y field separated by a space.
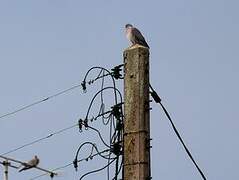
pixel 30 164
pixel 25 168
pixel 137 34
pixel 139 38
pixel 33 162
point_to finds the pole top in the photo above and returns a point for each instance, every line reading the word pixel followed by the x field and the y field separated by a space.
pixel 135 47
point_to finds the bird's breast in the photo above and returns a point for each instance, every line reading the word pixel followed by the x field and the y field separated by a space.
pixel 129 34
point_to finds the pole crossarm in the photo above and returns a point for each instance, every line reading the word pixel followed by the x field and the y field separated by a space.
pixel 6 163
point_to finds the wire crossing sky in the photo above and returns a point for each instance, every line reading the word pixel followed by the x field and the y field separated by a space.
pixel 47 46
pixel 38 102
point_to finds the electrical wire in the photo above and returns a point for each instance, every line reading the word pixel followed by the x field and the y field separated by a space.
pixel 108 168
pixel 40 139
pixel 120 168
pixel 102 70
pixel 101 138
pixel 39 102
pixel 51 135
pixel 98 77
pixel 158 100
pixel 111 119
pixel 91 103
pixel 93 146
pixel 97 170
pixel 102 107
pixel 109 156
pixel 60 93
pixel 87 126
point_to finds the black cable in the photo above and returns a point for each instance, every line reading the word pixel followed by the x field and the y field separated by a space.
pixel 39 102
pixel 121 165
pixel 82 123
pixel 101 138
pixel 94 146
pixel 97 170
pixel 102 107
pixel 109 118
pixel 91 103
pixel 108 73
pixel 111 122
pixel 157 99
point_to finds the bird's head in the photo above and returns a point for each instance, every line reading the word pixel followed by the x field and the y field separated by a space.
pixel 127 26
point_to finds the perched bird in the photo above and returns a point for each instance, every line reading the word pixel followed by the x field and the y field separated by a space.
pixel 135 36
pixel 30 164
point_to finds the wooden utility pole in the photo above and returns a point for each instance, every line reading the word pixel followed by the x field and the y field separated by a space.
pixel 136 109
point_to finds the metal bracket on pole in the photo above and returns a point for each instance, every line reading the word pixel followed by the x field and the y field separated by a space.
pixel 6 164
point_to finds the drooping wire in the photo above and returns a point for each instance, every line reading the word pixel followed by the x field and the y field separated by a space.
pixel 101 138
pixel 157 99
pixel 105 119
pixel 93 147
pixel 82 123
pixel 116 138
pixel 98 77
pixel 97 170
pixel 91 103
pixel 39 101
pixel 102 106
pixel 109 156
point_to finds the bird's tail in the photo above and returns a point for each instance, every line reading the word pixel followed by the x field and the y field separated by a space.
pixel 21 170
pixel 25 168
pixel 144 43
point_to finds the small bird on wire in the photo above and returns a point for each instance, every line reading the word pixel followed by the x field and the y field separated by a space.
pixel 135 36
pixel 30 164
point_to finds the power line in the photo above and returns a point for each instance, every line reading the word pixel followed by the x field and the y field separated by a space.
pixel 40 139
pixel 113 74
pixel 51 135
pixel 39 101
pixel 46 99
pixel 157 99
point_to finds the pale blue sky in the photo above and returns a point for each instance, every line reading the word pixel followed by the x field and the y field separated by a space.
pixel 48 45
